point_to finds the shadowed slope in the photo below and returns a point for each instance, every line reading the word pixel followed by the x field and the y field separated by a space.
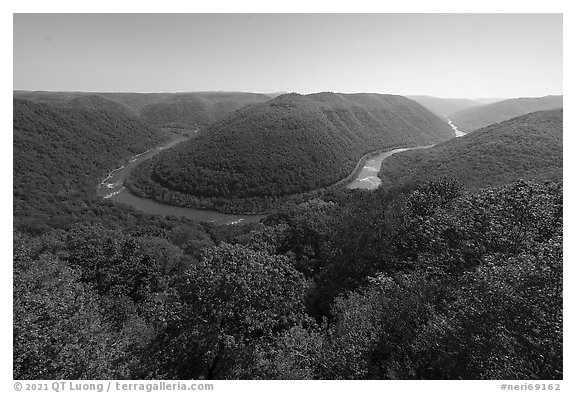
pixel 475 118
pixel 528 147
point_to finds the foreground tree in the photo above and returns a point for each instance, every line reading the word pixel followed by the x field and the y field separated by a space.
pixel 59 331
pixel 505 321
pixel 233 298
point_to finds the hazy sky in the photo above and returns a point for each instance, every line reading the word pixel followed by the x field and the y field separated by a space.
pixel 444 55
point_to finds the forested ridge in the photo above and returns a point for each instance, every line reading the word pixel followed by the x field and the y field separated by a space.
pixel 180 110
pixel 474 118
pixel 62 152
pixel 429 279
pixel 528 147
pixel 289 145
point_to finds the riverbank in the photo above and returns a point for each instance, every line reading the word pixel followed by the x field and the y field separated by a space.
pixel 119 186
pixel 238 206
pixel 114 180
pixel 455 128
pixel 113 188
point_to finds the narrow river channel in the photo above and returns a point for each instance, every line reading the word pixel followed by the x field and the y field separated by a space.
pixel 456 130
pixel 112 187
pixel 367 178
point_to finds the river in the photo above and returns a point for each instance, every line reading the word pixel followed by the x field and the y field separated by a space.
pixel 456 131
pixel 367 178
pixel 112 187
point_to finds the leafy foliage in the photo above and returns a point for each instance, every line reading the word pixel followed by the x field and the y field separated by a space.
pixel 231 299
pixel 451 284
pixel 62 153
pixel 505 321
pixel 59 331
pixel 75 316
pixel 432 280
pixel 63 149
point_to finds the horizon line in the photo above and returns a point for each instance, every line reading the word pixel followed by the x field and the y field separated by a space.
pixel 280 93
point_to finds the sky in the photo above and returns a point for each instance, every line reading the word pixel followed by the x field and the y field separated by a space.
pixel 442 55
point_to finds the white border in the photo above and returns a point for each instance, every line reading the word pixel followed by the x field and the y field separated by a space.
pixel 421 6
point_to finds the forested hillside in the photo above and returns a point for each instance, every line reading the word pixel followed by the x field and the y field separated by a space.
pixel 198 108
pixel 528 147
pixel 477 117
pixel 426 280
pixel 289 145
pixel 62 151
pixel 425 283
pixel 164 109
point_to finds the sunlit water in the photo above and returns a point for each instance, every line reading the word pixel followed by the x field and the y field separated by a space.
pixel 367 178
pixel 112 188
pixel 456 131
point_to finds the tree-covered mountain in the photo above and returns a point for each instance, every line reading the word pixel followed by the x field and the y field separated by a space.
pixel 421 281
pixel 477 117
pixel 62 152
pixel 164 109
pixel 528 147
pixel 289 145
pixel 443 107
pixel 198 108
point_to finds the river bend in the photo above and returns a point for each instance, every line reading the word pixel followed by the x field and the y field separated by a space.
pixel 112 187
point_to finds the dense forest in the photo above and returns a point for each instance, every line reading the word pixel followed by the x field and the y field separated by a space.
pixel 429 279
pixel 62 153
pixel 63 150
pixel 432 282
pixel 289 145
pixel 179 110
pixel 528 147
pixel 474 118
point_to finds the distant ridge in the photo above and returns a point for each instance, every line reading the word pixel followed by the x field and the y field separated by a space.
pixel 485 101
pixel 444 106
pixel 276 94
pixel 163 109
pixel 529 147
pixel 477 117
